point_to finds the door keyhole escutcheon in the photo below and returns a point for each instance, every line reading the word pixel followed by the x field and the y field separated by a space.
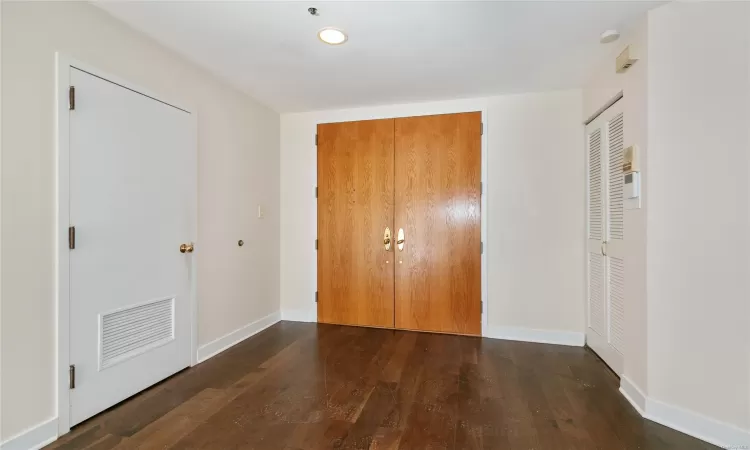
pixel 387 239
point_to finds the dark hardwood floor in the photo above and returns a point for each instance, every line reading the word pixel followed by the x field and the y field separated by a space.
pixel 311 386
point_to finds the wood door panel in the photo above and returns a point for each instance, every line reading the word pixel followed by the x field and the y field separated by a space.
pixel 437 176
pixel 355 205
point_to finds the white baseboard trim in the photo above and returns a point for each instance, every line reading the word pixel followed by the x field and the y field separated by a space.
pixel 33 438
pixel 217 346
pixel 571 338
pixel 691 423
pixel 697 425
pixel 297 315
pixel 633 394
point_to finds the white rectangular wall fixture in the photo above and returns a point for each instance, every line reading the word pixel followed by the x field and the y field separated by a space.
pixel 625 60
pixel 631 178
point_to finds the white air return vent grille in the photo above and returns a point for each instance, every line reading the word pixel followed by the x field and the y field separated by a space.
pixel 615 137
pixel 131 331
pixel 595 185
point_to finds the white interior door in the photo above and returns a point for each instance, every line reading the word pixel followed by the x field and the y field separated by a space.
pixel 605 253
pixel 132 203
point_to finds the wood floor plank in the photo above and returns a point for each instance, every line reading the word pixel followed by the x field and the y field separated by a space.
pixel 81 438
pixel 323 434
pixel 386 439
pixel 428 428
pixel 302 386
pixel 178 422
pixel 107 442
pixel 374 424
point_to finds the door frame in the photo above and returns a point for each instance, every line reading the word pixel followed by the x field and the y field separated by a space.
pixel 63 64
pixel 600 346
pixel 418 110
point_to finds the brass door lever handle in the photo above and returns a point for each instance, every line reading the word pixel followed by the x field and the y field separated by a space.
pixel 387 239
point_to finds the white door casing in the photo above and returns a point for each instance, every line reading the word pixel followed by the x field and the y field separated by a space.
pixel 605 252
pixel 131 198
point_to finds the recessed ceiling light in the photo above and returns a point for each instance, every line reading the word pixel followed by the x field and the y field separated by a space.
pixel 332 36
pixel 609 36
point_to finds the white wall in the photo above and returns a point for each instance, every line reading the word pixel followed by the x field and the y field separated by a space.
pixel 698 246
pixel 687 107
pixel 238 169
pixel 533 212
pixel 535 193
pixel 603 85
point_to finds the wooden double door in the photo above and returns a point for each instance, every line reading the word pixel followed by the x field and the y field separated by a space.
pixel 399 229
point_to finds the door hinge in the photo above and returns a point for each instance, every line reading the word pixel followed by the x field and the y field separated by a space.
pixel 316 244
pixel 72 98
pixel 71 237
pixel 481 248
pixel 316 139
pixel 481 307
pixel 316 192
pixel 481 128
pixel 316 296
pixel 481 188
pixel 72 377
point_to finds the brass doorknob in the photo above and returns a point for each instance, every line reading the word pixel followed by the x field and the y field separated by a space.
pixel 186 248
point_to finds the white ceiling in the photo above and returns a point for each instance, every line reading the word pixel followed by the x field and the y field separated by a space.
pixel 397 51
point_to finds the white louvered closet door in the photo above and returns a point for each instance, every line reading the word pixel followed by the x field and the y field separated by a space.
pixel 605 256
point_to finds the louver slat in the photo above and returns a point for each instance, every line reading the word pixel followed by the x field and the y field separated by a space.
pixel 132 331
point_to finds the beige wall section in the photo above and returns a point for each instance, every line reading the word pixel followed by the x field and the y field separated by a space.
pixel 534 216
pixel 698 240
pixel 238 169
pixel 535 196
pixel 604 85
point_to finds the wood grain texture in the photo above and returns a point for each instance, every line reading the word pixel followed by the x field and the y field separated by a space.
pixel 438 175
pixel 310 386
pixel 355 205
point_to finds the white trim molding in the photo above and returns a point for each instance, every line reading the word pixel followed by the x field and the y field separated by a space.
pixel 33 438
pixel 233 338
pixel 633 394
pixel 710 430
pixel 298 315
pixel 571 338
pixel 697 425
pixel 63 66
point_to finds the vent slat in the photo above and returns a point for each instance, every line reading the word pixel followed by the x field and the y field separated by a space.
pixel 132 331
pixel 135 335
pixel 595 185
pixel 617 303
pixel 153 337
pixel 128 316
pixel 124 327
pixel 616 225
pixel 596 294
